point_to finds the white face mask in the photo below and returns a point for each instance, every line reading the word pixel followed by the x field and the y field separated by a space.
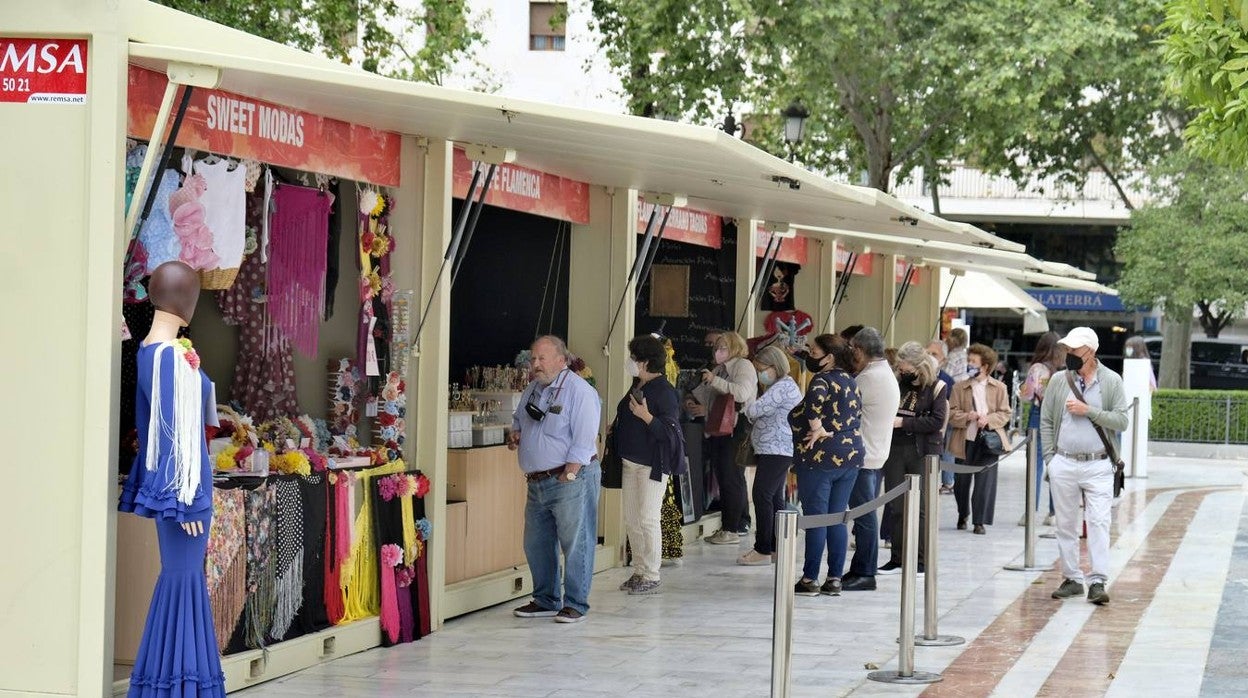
pixel 633 370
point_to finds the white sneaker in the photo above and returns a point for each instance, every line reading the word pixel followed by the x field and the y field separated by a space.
pixel 1048 520
pixel 722 537
pixel 672 562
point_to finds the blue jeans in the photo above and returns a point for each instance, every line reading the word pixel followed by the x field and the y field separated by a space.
pixel 946 478
pixel 866 527
pixel 562 516
pixel 1033 422
pixel 825 491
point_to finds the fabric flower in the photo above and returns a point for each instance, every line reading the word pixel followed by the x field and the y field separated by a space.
pixel 378 246
pixel 407 485
pixel 405 576
pixel 225 459
pixel 369 200
pixel 391 555
pixel 387 488
pixel 425 528
pixel 374 283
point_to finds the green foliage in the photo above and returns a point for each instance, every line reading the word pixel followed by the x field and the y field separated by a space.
pixel 1200 416
pixel 376 32
pixel 891 84
pixel 1190 247
pixel 1206 48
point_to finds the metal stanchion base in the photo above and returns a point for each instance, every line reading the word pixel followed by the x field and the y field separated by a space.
pixel 939 641
pixel 916 678
pixel 1025 568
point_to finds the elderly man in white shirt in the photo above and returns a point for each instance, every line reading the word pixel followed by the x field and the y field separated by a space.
pixel 880 398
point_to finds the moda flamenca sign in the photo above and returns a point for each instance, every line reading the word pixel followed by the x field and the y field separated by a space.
pixel 228 124
pixel 531 191
pixel 47 71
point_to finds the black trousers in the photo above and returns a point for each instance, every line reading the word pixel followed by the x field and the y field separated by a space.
pixel 768 491
pixel 903 460
pixel 733 497
pixel 982 502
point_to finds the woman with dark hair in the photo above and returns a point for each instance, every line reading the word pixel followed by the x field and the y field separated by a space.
pixel 918 432
pixel 979 404
pixel 1045 361
pixel 828 453
pixel 647 421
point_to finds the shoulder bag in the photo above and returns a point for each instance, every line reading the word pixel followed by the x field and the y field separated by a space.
pixel 1120 470
pixel 612 464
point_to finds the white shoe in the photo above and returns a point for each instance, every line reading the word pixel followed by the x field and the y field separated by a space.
pixel 1048 520
pixel 722 537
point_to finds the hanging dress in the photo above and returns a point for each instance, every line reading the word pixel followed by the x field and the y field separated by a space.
pixel 171 482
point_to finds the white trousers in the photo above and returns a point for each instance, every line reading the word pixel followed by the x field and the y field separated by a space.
pixel 643 504
pixel 1092 484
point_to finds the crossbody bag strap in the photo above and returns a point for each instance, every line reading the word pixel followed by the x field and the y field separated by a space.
pixel 1109 449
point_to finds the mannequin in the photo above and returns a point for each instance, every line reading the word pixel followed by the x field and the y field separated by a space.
pixel 171 482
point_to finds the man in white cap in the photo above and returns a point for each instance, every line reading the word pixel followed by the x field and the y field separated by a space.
pixel 1077 460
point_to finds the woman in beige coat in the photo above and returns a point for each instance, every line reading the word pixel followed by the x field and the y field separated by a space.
pixel 978 404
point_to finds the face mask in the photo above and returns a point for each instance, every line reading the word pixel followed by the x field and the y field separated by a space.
pixel 1130 352
pixel 1073 363
pixel 721 355
pixel 972 371
pixel 633 369
pixel 765 377
pixel 908 377
pixel 814 365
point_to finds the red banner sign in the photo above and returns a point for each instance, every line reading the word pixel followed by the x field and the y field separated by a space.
pixel 863 267
pixel 899 272
pixel 530 191
pixel 685 225
pixel 793 250
pixel 242 127
pixel 43 71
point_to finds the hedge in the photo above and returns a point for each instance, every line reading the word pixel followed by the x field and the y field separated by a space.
pixel 1200 416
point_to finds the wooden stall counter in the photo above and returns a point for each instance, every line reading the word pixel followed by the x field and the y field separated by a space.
pixel 486 494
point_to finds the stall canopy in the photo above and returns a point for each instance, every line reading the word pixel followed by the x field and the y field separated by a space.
pixel 976 289
pixel 1006 263
pixel 716 172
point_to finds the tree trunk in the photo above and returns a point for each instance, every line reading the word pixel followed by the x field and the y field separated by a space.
pixel 1176 352
pixel 1211 320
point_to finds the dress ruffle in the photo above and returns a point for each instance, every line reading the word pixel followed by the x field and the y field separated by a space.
pixel 178 657
pixel 164 506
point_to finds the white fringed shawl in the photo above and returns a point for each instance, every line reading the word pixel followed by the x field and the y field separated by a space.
pixel 186 431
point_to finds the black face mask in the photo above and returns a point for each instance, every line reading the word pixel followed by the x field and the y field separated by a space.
pixel 908 378
pixel 1073 363
pixel 814 365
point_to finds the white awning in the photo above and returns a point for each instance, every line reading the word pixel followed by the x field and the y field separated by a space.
pixel 716 172
pixel 976 289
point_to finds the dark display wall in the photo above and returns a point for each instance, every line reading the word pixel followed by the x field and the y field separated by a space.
pixel 712 294
pixel 498 297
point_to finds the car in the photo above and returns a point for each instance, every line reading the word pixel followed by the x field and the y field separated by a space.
pixel 1217 364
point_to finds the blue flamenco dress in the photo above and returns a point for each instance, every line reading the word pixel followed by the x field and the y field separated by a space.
pixel 177 657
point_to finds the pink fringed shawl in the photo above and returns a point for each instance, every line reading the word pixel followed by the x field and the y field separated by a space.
pixel 298 234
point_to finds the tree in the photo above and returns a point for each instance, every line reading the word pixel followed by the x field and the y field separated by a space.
pixel 1189 248
pixel 1111 110
pixel 890 84
pixel 1206 48
pixel 373 33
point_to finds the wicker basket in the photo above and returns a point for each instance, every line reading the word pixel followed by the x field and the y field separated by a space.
pixel 217 279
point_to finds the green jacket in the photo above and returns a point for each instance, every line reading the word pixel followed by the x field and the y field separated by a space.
pixel 1112 417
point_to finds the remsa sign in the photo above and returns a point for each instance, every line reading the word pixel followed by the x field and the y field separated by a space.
pixel 49 71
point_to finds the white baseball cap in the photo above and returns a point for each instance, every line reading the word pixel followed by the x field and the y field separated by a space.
pixel 1080 337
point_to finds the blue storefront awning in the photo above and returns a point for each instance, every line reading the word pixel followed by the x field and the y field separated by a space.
pixel 1058 299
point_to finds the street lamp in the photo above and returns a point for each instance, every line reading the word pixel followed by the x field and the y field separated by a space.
pixel 795 116
pixel 731 126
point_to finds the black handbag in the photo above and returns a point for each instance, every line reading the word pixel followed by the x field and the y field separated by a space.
pixel 612 464
pixel 991 442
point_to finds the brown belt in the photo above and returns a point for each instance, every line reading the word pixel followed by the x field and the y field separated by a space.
pixel 544 474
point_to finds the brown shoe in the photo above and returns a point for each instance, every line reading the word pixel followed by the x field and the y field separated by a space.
pixel 570 615
pixel 532 610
